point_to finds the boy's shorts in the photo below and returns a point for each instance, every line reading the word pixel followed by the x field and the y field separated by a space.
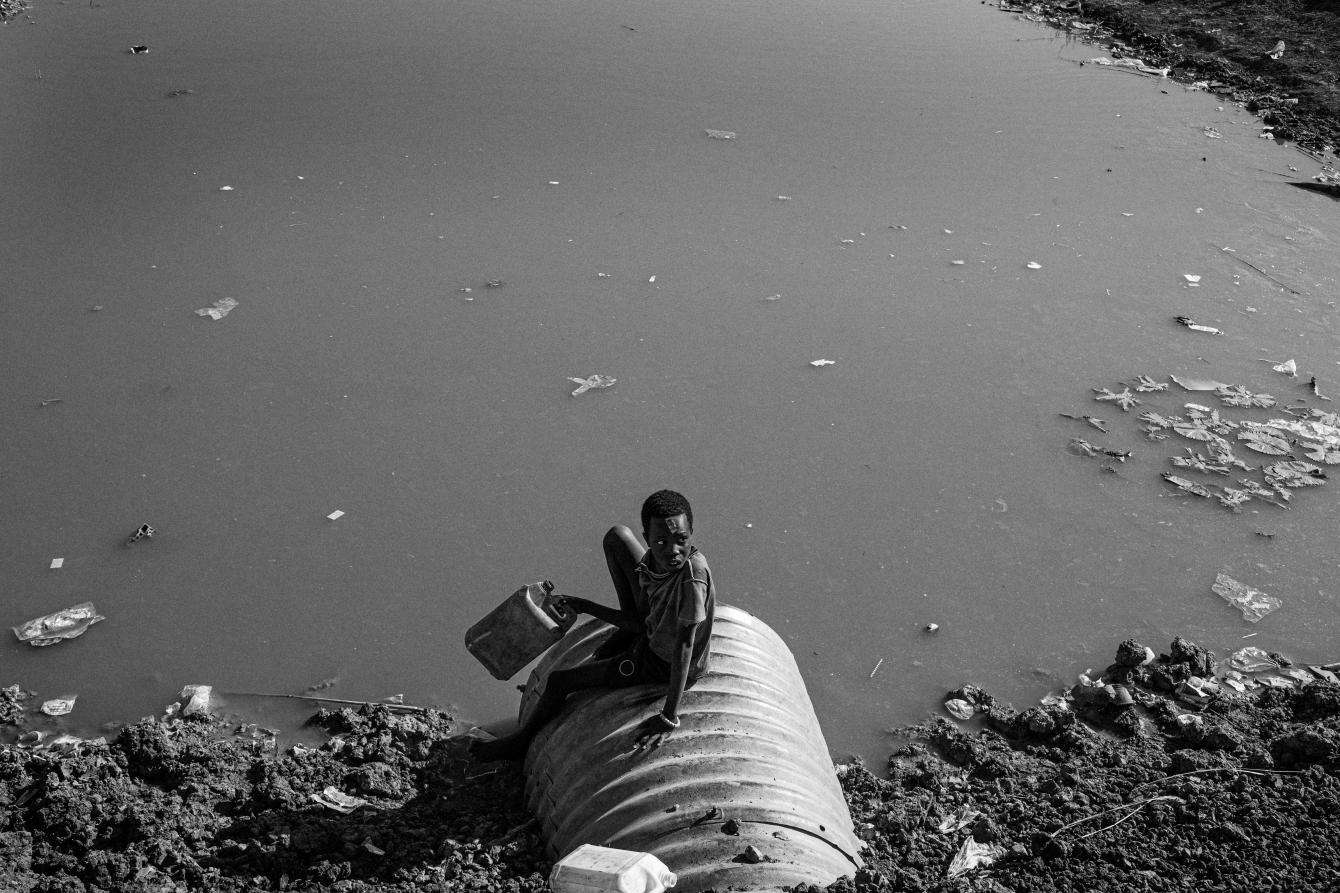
pixel 639 665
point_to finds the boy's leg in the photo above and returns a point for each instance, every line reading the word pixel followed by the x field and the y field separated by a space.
pixel 558 686
pixel 623 551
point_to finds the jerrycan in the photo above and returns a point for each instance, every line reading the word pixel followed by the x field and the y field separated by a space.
pixel 599 869
pixel 519 630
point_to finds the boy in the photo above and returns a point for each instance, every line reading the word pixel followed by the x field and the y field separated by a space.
pixel 664 625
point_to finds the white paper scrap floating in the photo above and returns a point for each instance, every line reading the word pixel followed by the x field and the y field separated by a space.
pixel 57 563
pixel 336 515
pixel 221 308
pixel 823 362
pixel 225 189
pixel 1033 265
pixel 1192 279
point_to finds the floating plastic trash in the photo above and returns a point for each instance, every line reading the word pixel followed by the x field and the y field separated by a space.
pixel 1288 367
pixel 143 532
pixel 1033 265
pixel 336 515
pixel 822 363
pixel 139 49
pixel 959 709
pixel 1191 279
pixel 1195 326
pixel 221 308
pixel 58 706
pixel 333 798
pixel 595 381
pixel 1277 50
pixel 1197 384
pixel 1124 399
pixel 57 563
pixel 52 628
pixel 721 134
pixel 1253 603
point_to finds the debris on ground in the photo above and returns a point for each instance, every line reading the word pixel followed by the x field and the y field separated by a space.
pixel 143 532
pixel 1195 326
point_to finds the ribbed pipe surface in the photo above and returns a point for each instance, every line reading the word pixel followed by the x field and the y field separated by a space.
pixel 749 749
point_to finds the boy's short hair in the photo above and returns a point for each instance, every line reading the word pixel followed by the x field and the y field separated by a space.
pixel 665 504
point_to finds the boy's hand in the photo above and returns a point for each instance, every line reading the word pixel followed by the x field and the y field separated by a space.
pixel 652 731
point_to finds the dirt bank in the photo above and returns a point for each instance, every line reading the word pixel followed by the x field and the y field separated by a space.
pixel 1184 785
pixel 1230 47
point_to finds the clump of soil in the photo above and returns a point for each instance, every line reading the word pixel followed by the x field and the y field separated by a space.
pixel 191 804
pixel 1230 47
pixel 1178 789
pixel 1164 773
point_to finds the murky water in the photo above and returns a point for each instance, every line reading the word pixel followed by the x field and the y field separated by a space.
pixel 385 157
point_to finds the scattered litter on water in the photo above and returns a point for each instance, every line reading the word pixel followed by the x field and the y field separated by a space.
pixel 1312 384
pixel 1186 486
pixel 822 362
pixel 595 381
pixel 783 198
pixel 51 628
pixel 931 627
pixel 1292 474
pixel 225 189
pixel 1237 395
pixel 1196 327
pixel 1212 133
pixel 139 49
pixel 1277 50
pixel 1124 399
pixel 58 706
pixel 1288 367
pixel 651 279
pixel 143 532
pixel 1262 441
pixel 879 663
pixel 336 515
pixel 1090 420
pixel 57 564
pixel 221 308
pixel 494 283
pixel 1084 448
pixel 1253 603
pixel 1146 385
pixel 1192 279
pixel 333 798
pixel 1033 265
pixel 721 134
pixel 1198 384
pixel 773 298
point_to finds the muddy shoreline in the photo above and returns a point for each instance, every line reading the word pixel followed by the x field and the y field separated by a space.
pixel 1231 49
pixel 1192 771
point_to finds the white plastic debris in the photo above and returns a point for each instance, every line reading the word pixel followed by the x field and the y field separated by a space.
pixel 336 515
pixel 51 628
pixel 1033 265
pixel 974 855
pixel 197 699
pixel 1192 279
pixel 58 706
pixel 721 134
pixel 57 563
pixel 1277 51
pixel 221 308
pixel 333 798
pixel 1253 603
pixel 225 189
pixel 822 362
pixel 595 381
pixel 1288 367
pixel 932 627
pixel 961 819
pixel 959 708
pixel 1251 660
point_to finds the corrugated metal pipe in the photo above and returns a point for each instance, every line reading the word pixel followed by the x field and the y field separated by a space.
pixel 747 768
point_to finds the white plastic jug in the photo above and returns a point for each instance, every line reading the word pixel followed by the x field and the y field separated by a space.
pixel 599 869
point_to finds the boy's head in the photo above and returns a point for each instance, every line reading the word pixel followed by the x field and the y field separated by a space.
pixel 665 504
pixel 667 523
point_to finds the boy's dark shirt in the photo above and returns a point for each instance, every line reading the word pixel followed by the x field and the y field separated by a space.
pixel 672 600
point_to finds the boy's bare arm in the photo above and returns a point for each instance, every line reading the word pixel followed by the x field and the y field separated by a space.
pixel 655 729
pixel 612 616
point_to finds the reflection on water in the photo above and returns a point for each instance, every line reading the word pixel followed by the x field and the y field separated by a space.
pixel 384 159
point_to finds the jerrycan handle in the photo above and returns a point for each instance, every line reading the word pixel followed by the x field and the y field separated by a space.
pixel 561 614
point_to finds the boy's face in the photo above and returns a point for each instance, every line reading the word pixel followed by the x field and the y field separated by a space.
pixel 668 540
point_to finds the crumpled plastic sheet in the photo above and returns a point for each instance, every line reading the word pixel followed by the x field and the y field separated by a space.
pixel 595 381
pixel 69 623
pixel 221 308
pixel 974 855
pixel 1253 603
